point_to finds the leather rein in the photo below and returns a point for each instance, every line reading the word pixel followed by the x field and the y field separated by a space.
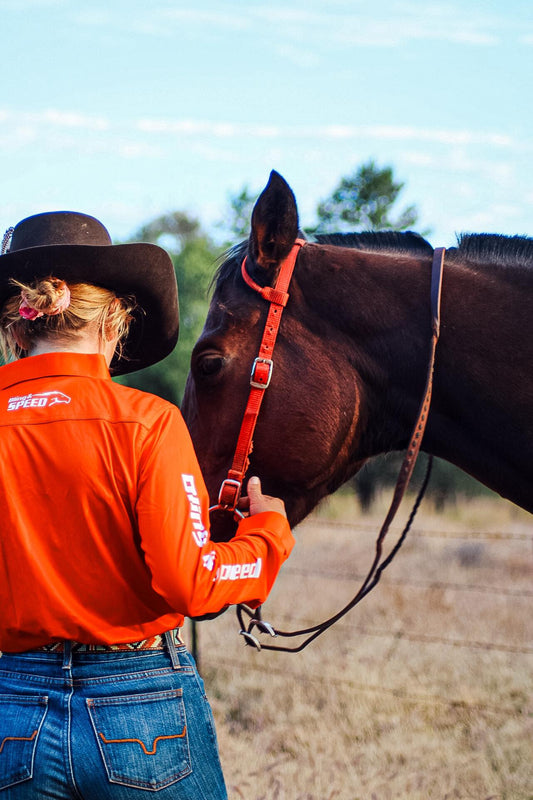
pixel 260 377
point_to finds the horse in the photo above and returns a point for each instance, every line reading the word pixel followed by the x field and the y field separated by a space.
pixel 350 361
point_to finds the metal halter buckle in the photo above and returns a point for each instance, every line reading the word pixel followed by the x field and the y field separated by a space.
pixel 232 506
pixel 237 515
pixel 258 384
pixel 236 487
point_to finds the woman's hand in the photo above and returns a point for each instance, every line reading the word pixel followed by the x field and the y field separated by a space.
pixel 256 501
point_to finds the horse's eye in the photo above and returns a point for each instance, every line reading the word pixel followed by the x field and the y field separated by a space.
pixel 208 365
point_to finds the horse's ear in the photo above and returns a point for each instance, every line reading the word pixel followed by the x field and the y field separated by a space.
pixel 274 223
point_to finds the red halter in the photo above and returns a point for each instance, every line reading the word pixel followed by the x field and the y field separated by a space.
pixel 259 380
pixel 380 562
pixel 277 296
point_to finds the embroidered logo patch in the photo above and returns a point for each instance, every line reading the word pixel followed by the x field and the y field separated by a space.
pixel 37 400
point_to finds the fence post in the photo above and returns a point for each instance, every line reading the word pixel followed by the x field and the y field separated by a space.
pixel 194 643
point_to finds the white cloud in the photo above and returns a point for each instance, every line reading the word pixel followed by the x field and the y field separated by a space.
pixel 308 26
pixel 54 118
pixel 419 159
pixel 236 19
pixel 497 216
pixel 70 119
pixel 146 136
pixel 21 5
pixel 307 58
pixel 392 24
pixel 191 127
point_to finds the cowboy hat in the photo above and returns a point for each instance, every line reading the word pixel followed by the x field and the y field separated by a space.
pixel 77 248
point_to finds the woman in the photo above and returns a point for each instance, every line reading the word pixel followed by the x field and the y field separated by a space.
pixel 104 543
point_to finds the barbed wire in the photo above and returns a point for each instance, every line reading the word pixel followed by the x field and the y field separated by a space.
pixel 387 580
pixel 418 532
pixel 399 693
pixel 424 638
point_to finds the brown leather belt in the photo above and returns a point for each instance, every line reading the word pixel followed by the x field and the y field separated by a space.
pixel 152 643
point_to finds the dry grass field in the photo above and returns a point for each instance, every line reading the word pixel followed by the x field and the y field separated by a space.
pixel 423 691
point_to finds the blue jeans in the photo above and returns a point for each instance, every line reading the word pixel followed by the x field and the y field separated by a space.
pixel 106 726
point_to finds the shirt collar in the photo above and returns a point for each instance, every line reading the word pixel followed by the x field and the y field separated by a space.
pixel 89 365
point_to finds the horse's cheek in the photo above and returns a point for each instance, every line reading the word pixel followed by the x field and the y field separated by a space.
pixel 311 424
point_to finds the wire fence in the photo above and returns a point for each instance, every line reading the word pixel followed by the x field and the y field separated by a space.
pixel 444 585
pixel 355 631
pixel 419 698
pixel 358 527
pixel 424 638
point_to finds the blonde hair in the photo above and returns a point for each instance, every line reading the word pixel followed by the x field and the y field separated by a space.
pixel 89 305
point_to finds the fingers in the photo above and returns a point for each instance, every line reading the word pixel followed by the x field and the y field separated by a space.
pixel 254 487
pixel 260 502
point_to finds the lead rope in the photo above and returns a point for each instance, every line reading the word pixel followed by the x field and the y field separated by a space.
pixel 406 471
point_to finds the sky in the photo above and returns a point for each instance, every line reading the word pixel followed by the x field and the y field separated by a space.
pixel 128 109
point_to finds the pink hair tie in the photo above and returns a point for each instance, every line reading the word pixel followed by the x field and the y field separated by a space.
pixel 27 311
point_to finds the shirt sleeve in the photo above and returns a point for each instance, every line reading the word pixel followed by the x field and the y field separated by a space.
pixel 195 575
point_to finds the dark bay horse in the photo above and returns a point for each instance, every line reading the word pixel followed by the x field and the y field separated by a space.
pixel 351 358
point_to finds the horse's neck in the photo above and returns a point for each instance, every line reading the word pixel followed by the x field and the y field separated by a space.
pixel 483 399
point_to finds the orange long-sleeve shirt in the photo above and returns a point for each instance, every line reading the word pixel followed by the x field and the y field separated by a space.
pixel 104 513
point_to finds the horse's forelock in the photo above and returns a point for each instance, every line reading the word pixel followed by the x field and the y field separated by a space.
pixel 229 264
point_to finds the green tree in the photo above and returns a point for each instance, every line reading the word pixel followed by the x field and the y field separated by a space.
pixel 194 256
pixel 363 200
pixel 448 483
pixel 239 213
pixel 174 229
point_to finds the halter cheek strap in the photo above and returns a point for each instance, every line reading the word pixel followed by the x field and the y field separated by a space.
pixel 261 374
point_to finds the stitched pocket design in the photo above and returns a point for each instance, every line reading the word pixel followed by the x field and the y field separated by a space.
pixel 21 717
pixel 143 738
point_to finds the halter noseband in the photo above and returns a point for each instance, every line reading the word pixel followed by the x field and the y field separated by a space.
pixel 259 380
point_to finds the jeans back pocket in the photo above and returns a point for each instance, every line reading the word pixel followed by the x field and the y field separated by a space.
pixel 143 738
pixel 21 718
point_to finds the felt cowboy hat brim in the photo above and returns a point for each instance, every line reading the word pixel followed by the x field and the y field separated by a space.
pixel 77 249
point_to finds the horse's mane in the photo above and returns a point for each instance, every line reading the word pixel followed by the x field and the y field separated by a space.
pixel 489 249
pixel 406 242
pixel 494 249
